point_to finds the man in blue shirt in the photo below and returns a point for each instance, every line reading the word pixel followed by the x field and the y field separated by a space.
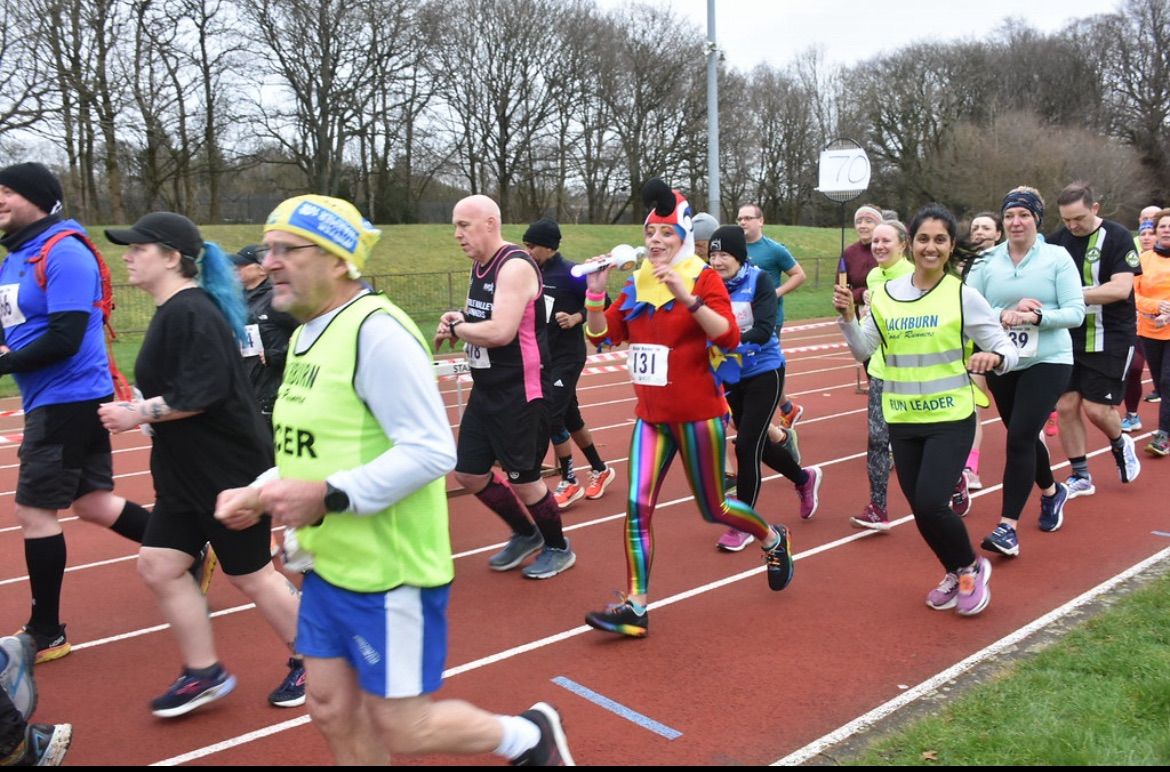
pixel 54 350
pixel 774 259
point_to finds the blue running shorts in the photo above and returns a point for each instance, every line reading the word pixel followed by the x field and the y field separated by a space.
pixel 396 640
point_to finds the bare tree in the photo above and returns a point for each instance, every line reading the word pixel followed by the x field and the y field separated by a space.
pixel 24 85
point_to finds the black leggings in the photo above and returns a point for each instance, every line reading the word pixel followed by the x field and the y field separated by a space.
pixel 753 401
pixel 928 459
pixel 1025 399
pixel 1158 358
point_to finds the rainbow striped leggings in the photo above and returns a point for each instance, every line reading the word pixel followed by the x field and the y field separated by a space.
pixel 652 449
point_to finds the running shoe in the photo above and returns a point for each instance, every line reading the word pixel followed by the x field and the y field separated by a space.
pixel 791 444
pixel 550 562
pixel 1159 446
pixel 1129 466
pixel 789 419
pixel 872 517
pixel 599 481
pixel 1153 397
pixel 943 597
pixel 552 750
pixel 1131 423
pixel 961 497
pixel 45 745
pixel 973 481
pixel 779 560
pixel 1052 509
pixel 809 491
pixel 291 692
pixel 624 618
pixel 974 593
pixel 568 492
pixel 1002 540
pixel 51 645
pixel 734 540
pixel 1079 485
pixel 20 653
pixel 189 692
pixel 514 552
pixel 1050 426
pixel 204 567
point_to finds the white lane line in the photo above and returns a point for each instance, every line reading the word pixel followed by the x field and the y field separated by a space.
pixel 930 685
pixel 565 635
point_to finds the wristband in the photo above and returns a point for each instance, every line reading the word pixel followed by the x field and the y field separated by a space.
pixel 693 307
pixel 600 334
pixel 591 295
pixel 594 305
pixel 451 327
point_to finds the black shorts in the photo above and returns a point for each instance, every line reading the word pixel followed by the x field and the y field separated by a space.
pixel 1100 377
pixel 175 526
pixel 517 439
pixel 64 455
pixel 563 410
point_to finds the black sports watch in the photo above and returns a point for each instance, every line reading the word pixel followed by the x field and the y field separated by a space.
pixel 336 500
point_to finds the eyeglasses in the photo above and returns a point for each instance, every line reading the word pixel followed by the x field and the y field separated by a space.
pixel 279 250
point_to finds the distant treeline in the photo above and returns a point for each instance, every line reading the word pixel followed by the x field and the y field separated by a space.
pixel 217 108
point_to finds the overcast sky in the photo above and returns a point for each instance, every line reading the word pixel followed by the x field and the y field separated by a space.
pixel 753 31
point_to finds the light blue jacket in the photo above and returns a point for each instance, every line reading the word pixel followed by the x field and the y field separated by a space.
pixel 1047 274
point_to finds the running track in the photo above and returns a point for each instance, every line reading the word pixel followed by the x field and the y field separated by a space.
pixel 730 674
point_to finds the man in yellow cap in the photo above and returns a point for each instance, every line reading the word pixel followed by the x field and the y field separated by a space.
pixel 362 448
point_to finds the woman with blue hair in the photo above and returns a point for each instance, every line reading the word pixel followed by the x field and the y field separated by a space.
pixel 197 405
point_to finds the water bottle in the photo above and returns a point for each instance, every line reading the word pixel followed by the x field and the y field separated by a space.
pixel 623 257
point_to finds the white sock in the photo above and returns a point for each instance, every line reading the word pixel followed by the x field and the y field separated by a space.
pixel 520 735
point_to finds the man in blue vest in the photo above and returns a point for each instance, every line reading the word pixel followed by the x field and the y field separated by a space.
pixel 55 351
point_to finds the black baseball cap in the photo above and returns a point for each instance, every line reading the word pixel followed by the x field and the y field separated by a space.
pixel 166 228
pixel 249 255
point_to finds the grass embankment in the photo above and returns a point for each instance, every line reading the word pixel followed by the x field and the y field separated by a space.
pixel 1099 696
pixel 422 268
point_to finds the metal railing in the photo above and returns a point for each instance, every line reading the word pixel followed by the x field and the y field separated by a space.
pixel 418 294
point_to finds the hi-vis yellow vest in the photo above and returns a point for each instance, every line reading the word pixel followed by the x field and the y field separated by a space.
pixel 321 427
pixel 926 378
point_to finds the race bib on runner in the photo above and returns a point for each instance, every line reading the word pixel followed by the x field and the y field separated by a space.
pixel 1025 337
pixel 477 357
pixel 254 346
pixel 10 314
pixel 647 364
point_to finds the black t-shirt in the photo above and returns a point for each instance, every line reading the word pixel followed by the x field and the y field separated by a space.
pixel 190 357
pixel 563 292
pixel 1111 328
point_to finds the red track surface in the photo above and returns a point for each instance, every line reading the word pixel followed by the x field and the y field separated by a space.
pixel 746 675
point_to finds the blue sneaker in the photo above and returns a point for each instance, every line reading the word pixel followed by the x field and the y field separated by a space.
pixel 45 745
pixel 1002 540
pixel 1052 509
pixel 1079 486
pixel 1131 423
pixel 550 562
pixel 188 692
pixel 20 652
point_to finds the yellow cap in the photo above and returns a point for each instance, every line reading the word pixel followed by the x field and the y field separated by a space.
pixel 333 224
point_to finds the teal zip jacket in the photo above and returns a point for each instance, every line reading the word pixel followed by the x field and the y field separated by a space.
pixel 1047 274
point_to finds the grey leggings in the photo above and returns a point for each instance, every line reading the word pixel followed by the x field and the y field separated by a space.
pixel 877 450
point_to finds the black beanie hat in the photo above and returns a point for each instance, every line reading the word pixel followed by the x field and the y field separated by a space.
pixel 35 183
pixel 544 233
pixel 729 239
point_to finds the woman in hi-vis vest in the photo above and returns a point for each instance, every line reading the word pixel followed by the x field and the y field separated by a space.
pixel 922 322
